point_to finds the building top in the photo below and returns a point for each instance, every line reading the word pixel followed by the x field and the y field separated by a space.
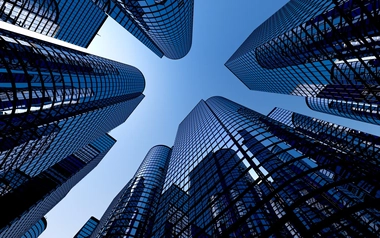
pixel 88 228
pixel 37 229
pixel 164 26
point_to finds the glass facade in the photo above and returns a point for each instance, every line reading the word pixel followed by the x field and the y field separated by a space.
pixel 173 216
pixel 76 22
pixel 30 201
pixel 39 16
pixel 79 21
pixel 217 181
pixel 234 172
pixel 88 228
pixel 49 92
pixel 164 26
pixel 358 111
pixel 56 106
pixel 279 179
pixel 329 51
pixel 36 230
pixel 132 214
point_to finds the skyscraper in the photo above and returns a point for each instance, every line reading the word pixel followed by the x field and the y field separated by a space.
pixel 32 198
pixel 234 172
pixel 88 228
pixel 37 229
pixel 49 93
pixel 131 214
pixel 164 26
pixel 76 22
pixel 55 103
pixel 327 51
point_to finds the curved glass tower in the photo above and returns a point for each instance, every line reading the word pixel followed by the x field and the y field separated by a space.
pixel 56 107
pixel 88 228
pixel 133 211
pixel 164 26
pixel 358 111
pixel 330 50
pixel 49 93
pixel 37 229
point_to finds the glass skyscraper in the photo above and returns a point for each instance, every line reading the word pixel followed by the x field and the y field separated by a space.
pixel 234 172
pixel 131 214
pixel 327 51
pixel 37 229
pixel 76 22
pixel 49 93
pixel 56 106
pixel 164 26
pixel 33 197
pixel 88 228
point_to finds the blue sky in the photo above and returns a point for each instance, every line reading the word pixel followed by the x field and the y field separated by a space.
pixel 173 88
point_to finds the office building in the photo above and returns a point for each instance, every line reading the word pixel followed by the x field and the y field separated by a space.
pixel 327 51
pixel 37 229
pixel 131 214
pixel 55 103
pixel 29 201
pixel 76 22
pixel 234 172
pixel 88 228
pixel 164 26
pixel 51 93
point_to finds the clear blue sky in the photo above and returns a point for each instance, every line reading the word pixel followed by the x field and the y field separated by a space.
pixel 173 88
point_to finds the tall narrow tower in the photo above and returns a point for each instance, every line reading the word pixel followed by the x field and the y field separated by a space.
pixel 132 212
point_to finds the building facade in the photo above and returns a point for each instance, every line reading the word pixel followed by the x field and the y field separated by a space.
pixel 132 212
pixel 164 26
pixel 30 200
pixel 49 92
pixel 76 22
pixel 88 228
pixel 55 102
pixel 234 172
pixel 329 51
